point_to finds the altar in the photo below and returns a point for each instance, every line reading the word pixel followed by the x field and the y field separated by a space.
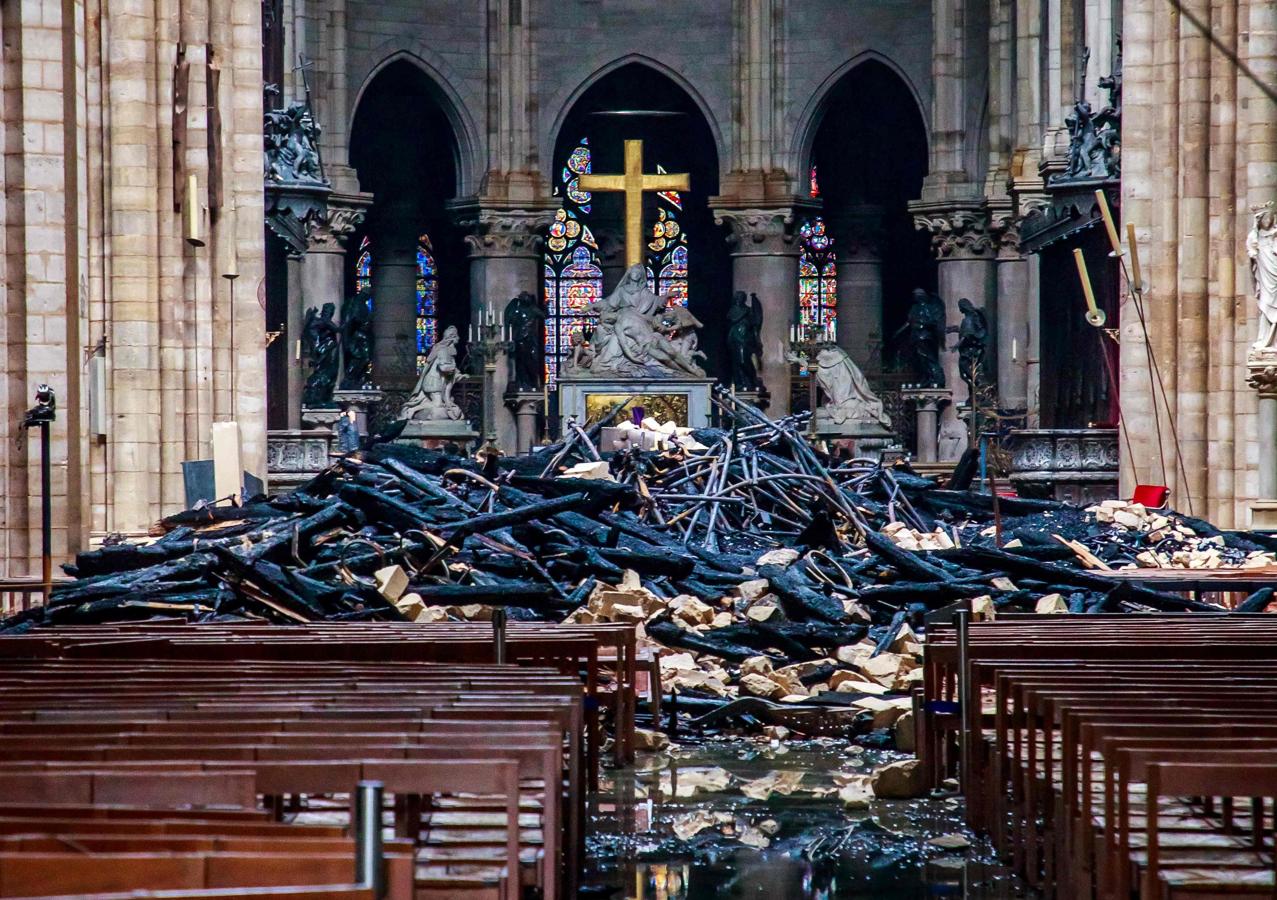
pixel 685 401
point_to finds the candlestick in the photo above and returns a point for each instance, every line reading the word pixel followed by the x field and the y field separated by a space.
pixel 1137 280
pixel 1015 356
pixel 1094 314
pixel 1102 199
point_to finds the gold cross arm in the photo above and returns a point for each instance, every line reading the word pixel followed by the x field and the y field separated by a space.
pixel 633 184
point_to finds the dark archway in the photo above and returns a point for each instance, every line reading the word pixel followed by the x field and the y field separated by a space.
pixel 404 150
pixel 638 101
pixel 870 156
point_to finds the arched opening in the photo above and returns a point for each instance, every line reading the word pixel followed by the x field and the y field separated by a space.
pixel 868 160
pixel 684 251
pixel 410 255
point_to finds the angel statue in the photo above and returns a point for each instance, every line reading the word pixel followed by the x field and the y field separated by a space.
pixel 323 349
pixel 431 397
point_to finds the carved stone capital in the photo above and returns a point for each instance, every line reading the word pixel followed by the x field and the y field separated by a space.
pixel 345 213
pixel 1261 372
pixel 1004 227
pixel 759 232
pixel 503 231
pixel 958 231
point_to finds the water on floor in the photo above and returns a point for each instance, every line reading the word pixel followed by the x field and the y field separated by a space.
pixel 744 818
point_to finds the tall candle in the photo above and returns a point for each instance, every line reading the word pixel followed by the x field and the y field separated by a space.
pixel 1137 280
pixel 1015 347
pixel 1102 199
pixel 1094 315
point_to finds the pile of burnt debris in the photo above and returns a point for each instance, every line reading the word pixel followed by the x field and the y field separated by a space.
pixel 766 570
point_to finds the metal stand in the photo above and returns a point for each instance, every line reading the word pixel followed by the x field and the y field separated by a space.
pixel 41 416
pixel 488 345
pixel 369 851
pixel 498 635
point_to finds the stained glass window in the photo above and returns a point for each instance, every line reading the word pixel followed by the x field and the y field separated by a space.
pixel 573 278
pixel 667 256
pixel 817 278
pixel 815 185
pixel 427 291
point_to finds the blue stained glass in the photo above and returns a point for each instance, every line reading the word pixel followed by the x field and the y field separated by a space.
pixel 427 292
pixel 817 276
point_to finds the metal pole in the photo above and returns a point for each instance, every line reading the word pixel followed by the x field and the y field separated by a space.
pixel 369 852
pixel 46 513
pixel 963 621
pixel 498 635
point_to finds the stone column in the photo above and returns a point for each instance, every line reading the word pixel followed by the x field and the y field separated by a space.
pixel 765 262
pixel 394 293
pixel 1262 376
pixel 296 380
pixel 505 258
pixel 323 267
pixel 1013 318
pixel 968 268
pixel 858 236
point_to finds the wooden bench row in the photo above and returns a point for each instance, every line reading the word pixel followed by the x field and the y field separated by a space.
pixel 1107 757
pixel 138 727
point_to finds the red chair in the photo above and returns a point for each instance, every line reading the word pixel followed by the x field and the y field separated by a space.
pixel 1151 496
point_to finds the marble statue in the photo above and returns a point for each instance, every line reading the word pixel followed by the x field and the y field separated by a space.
pixel 924 335
pixel 526 317
pixel 973 341
pixel 629 340
pixel 952 440
pixel 356 343
pixel 679 325
pixel 1261 247
pixel 848 397
pixel 431 397
pixel 743 323
pixel 320 340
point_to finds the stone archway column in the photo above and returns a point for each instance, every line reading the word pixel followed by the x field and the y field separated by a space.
pixel 505 246
pixel 1013 317
pixel 394 297
pixel 321 274
pixel 964 247
pixel 765 262
pixel 858 236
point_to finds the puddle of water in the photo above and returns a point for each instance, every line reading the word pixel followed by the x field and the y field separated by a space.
pixel 699 823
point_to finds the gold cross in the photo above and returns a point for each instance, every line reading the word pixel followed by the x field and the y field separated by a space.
pixel 633 183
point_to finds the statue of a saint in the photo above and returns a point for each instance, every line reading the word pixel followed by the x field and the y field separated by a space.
pixel 320 341
pixel 526 316
pixel 1261 247
pixel 848 397
pixel 742 372
pixel 924 333
pixel 431 397
pixel 973 339
pixel 356 343
pixel 678 324
pixel 629 340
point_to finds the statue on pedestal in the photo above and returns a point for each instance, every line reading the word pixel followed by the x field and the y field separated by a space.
pixel 356 343
pixel 848 397
pixel 744 321
pixel 1261 247
pixel 431 397
pixel 629 341
pixel 526 317
pixel 924 333
pixel 292 141
pixel 321 343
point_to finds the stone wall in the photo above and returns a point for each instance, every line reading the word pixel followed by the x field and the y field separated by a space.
pixel 1199 152
pixel 95 263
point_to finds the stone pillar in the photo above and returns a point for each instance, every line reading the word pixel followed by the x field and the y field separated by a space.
pixel 526 408
pixel 611 258
pixel 765 262
pixel 505 258
pixel 927 403
pixel 1013 319
pixel 296 380
pixel 968 268
pixel 394 293
pixel 323 267
pixel 1262 376
pixel 858 236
